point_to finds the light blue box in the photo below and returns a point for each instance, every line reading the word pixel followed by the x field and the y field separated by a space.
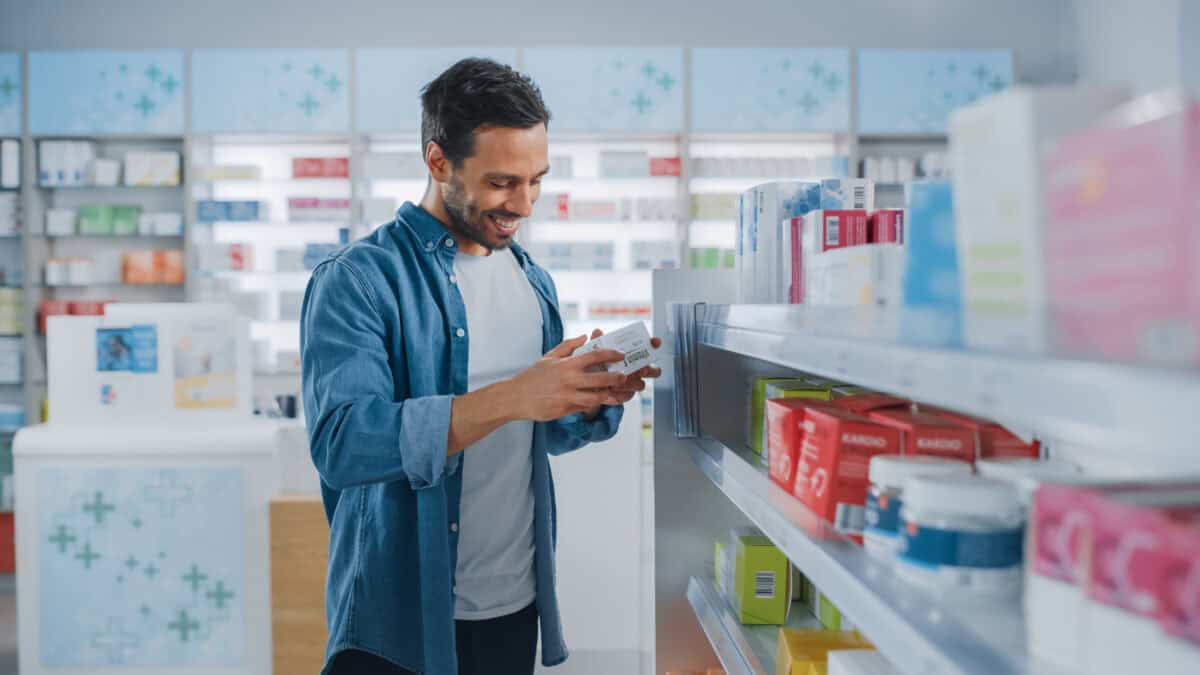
pixel 211 211
pixel 843 193
pixel 243 211
pixel 932 311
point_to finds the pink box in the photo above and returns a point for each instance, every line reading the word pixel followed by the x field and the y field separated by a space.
pixel 321 167
pixel 1122 246
pixel 1177 581
pixel 665 166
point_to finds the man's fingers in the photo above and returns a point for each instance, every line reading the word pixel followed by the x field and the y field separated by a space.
pixel 599 380
pixel 655 342
pixel 600 356
pixel 567 347
pixel 597 333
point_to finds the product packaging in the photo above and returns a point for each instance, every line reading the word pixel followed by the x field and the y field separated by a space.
pixel 805 652
pixel 320 167
pixel 886 226
pixel 839 194
pixel 992 440
pixel 755 577
pixel 104 172
pixel 125 220
pixel 756 393
pixel 95 219
pixel 856 276
pixel 932 313
pixel 929 435
pixel 785 433
pixel 60 222
pixel 633 341
pixel 157 168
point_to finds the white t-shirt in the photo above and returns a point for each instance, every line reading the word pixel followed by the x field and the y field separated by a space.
pixel 495 572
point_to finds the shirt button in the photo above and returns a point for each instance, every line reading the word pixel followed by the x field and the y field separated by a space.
pixel 449 243
pixel 453 279
pixel 429 246
pixel 454 527
pixel 460 332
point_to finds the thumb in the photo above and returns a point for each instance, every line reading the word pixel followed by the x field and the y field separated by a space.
pixel 567 347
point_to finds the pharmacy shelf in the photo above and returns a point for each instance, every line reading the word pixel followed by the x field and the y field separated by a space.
pixel 918 632
pixel 123 188
pixel 116 237
pixel 1055 398
pixel 748 650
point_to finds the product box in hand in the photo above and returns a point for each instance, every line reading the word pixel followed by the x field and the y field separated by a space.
pixel 95 219
pixel 842 194
pixel 755 577
pixel 886 226
pixel 861 276
pixel 831 474
pixel 633 341
pixel 764 267
pixel 320 167
pixel 995 148
pixel 806 652
pixel 157 168
pixel 932 313
pixel 1127 286
pixel 928 435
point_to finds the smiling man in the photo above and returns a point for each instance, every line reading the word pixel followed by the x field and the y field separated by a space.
pixel 436 385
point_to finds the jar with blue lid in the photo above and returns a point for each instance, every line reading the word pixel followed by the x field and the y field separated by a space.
pixel 887 474
pixel 961 537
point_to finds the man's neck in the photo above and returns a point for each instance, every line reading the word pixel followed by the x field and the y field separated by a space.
pixel 436 206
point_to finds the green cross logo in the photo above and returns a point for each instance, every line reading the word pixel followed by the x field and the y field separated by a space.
pixel 7 87
pixel 309 105
pixel 649 69
pixel 641 103
pixel 981 73
pixel 816 70
pixel 153 72
pixel 333 83
pixel 997 84
pixel 184 624
pixel 666 81
pixel 316 71
pixel 62 537
pixel 97 507
pixel 170 84
pixel 150 570
pixel 833 82
pixel 145 105
pixel 219 595
pixel 808 102
pixel 131 563
pixel 87 556
pixel 194 578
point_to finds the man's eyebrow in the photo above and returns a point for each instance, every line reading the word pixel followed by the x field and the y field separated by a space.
pixel 497 175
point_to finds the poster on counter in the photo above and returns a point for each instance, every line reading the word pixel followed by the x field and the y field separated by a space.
pixel 205 355
pixel 140 567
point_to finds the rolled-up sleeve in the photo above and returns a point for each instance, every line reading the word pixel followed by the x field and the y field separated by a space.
pixel 358 433
pixel 575 431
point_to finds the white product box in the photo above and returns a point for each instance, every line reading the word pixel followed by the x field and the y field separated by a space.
pixel 624 164
pixel 995 149
pixel 859 662
pixel 168 224
pixel 561 166
pixel 867 275
pixel 152 168
pixel 60 222
pixel 378 209
pixel 146 224
pixel 10 164
pixel 649 255
pixel 289 305
pixel 64 163
pixel 289 260
pixel 601 209
pixel 633 341
pixel 9 211
pixel 79 271
pixel 104 172
pixel 763 208
pixel 394 165
pixel 840 194
pixel 230 172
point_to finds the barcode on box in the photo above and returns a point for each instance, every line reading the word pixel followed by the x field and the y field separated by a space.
pixel 636 356
pixel 860 197
pixel 764 585
pixel 832 230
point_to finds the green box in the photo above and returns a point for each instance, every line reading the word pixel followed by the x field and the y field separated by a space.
pixel 764 388
pixel 728 258
pixel 705 258
pixel 761 579
pixel 96 219
pixel 125 220
pixel 831 617
pixel 848 390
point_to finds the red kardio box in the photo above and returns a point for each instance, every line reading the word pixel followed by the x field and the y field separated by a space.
pixel 865 403
pixel 992 439
pixel 320 167
pixel 887 226
pixel 929 435
pixel 784 435
pixel 831 475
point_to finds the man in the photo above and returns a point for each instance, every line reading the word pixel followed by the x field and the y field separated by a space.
pixel 436 385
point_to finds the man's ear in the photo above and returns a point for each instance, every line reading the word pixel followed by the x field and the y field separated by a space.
pixel 438 164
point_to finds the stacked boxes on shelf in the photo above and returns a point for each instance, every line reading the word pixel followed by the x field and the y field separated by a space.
pixel 214 211
pixel 10 164
pixel 573 255
pixel 10 213
pixel 320 167
pixel 153 267
pixel 10 363
pixel 12 311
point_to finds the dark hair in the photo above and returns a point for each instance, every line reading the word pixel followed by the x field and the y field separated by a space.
pixel 474 93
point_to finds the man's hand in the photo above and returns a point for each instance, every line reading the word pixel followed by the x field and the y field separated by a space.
pixel 631 384
pixel 559 384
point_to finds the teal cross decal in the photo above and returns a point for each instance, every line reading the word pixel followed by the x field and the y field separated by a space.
pixel 150 570
pixel 220 594
pixel 981 73
pixel 951 68
pixel 649 69
pixel 87 556
pixel 333 83
pixel 287 67
pixel 62 537
pixel 666 81
pixel 97 507
pixel 153 72
pixel 786 65
pixel 194 578
pixel 131 563
pixel 124 67
pixel 316 71
pixel 997 84
pixel 170 84
pixel 641 103
pixel 808 102
pixel 145 610
pixel 309 104
pixel 7 87
pixel 833 82
pixel 816 70
pixel 136 522
pixel 145 105
pixel 184 624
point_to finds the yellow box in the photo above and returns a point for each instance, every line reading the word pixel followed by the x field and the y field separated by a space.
pixel 800 650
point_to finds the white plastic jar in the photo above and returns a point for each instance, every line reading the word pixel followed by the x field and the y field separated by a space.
pixel 888 473
pixel 961 537
pixel 1026 473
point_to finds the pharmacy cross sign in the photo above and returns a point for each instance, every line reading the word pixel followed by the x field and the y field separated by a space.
pixel 309 105
pixel 316 71
pixel 170 84
pixel 333 83
pixel 808 102
pixel 219 595
pixel 980 73
pixel 131 563
pixel 184 624
pixel 150 570
pixel 641 103
pixel 666 81
pixel 153 72
pixel 7 87
pixel 97 507
pixel 87 556
pixel 114 640
pixel 194 578
pixel 145 105
pixel 62 537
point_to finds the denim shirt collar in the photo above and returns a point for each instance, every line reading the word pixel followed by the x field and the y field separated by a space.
pixel 432 235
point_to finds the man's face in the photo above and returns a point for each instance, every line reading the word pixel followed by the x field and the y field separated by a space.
pixel 493 191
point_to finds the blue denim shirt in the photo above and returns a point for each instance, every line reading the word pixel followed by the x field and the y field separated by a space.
pixel 383 339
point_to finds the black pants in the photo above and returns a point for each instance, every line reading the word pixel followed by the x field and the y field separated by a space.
pixel 503 646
